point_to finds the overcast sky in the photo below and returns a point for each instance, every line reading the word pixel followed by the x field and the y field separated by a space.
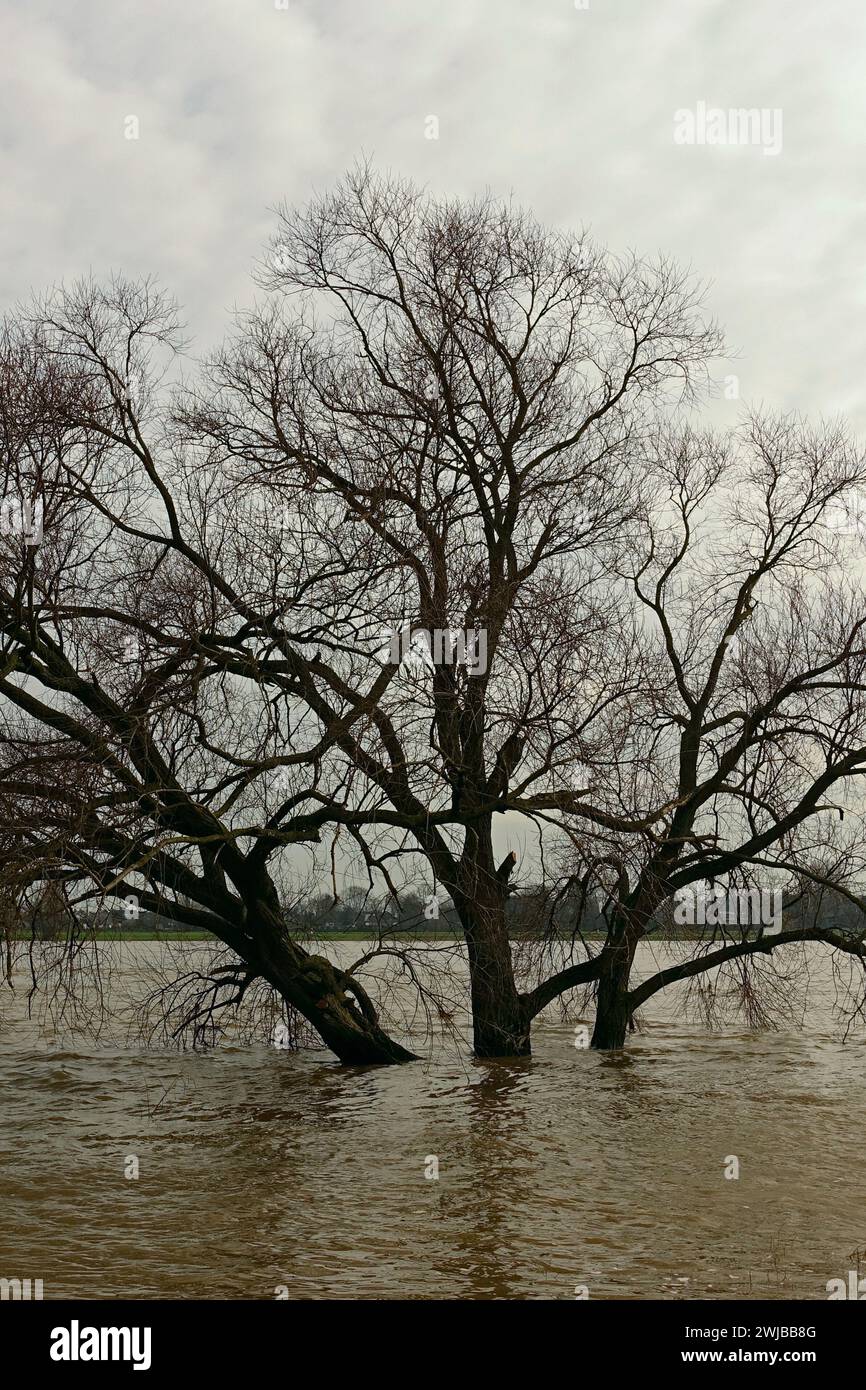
pixel 240 104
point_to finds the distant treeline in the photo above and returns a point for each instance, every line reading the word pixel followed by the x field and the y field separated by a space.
pixel 530 912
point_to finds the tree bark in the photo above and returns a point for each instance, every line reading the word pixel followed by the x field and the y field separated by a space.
pixel 500 1017
pixel 333 1002
pixel 500 1025
pixel 613 1006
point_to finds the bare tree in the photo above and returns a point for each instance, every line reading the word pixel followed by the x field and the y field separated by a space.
pixel 444 419
pixel 138 727
pixel 745 745
pixel 449 412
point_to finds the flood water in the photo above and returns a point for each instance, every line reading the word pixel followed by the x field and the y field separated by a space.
pixel 261 1169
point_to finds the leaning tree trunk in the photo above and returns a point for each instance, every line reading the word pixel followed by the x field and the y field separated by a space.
pixel 337 1006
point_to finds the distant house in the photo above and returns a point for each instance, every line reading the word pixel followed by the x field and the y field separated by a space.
pixel 376 918
pixel 128 918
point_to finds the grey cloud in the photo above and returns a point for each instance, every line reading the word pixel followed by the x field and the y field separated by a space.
pixel 241 104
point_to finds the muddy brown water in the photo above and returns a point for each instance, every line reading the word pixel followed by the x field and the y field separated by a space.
pixel 262 1170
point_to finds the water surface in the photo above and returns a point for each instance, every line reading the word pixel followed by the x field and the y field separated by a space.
pixel 261 1168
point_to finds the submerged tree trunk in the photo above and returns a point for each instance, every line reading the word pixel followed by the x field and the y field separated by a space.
pixel 613 1009
pixel 500 1025
pixel 500 1018
pixel 337 1006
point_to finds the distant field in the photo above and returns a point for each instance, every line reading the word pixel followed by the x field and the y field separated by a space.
pixel 119 934
pixel 112 934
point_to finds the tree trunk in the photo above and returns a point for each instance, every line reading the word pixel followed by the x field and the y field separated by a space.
pixel 500 1019
pixel 348 1025
pixel 612 1014
pixel 500 1027
pixel 333 1002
